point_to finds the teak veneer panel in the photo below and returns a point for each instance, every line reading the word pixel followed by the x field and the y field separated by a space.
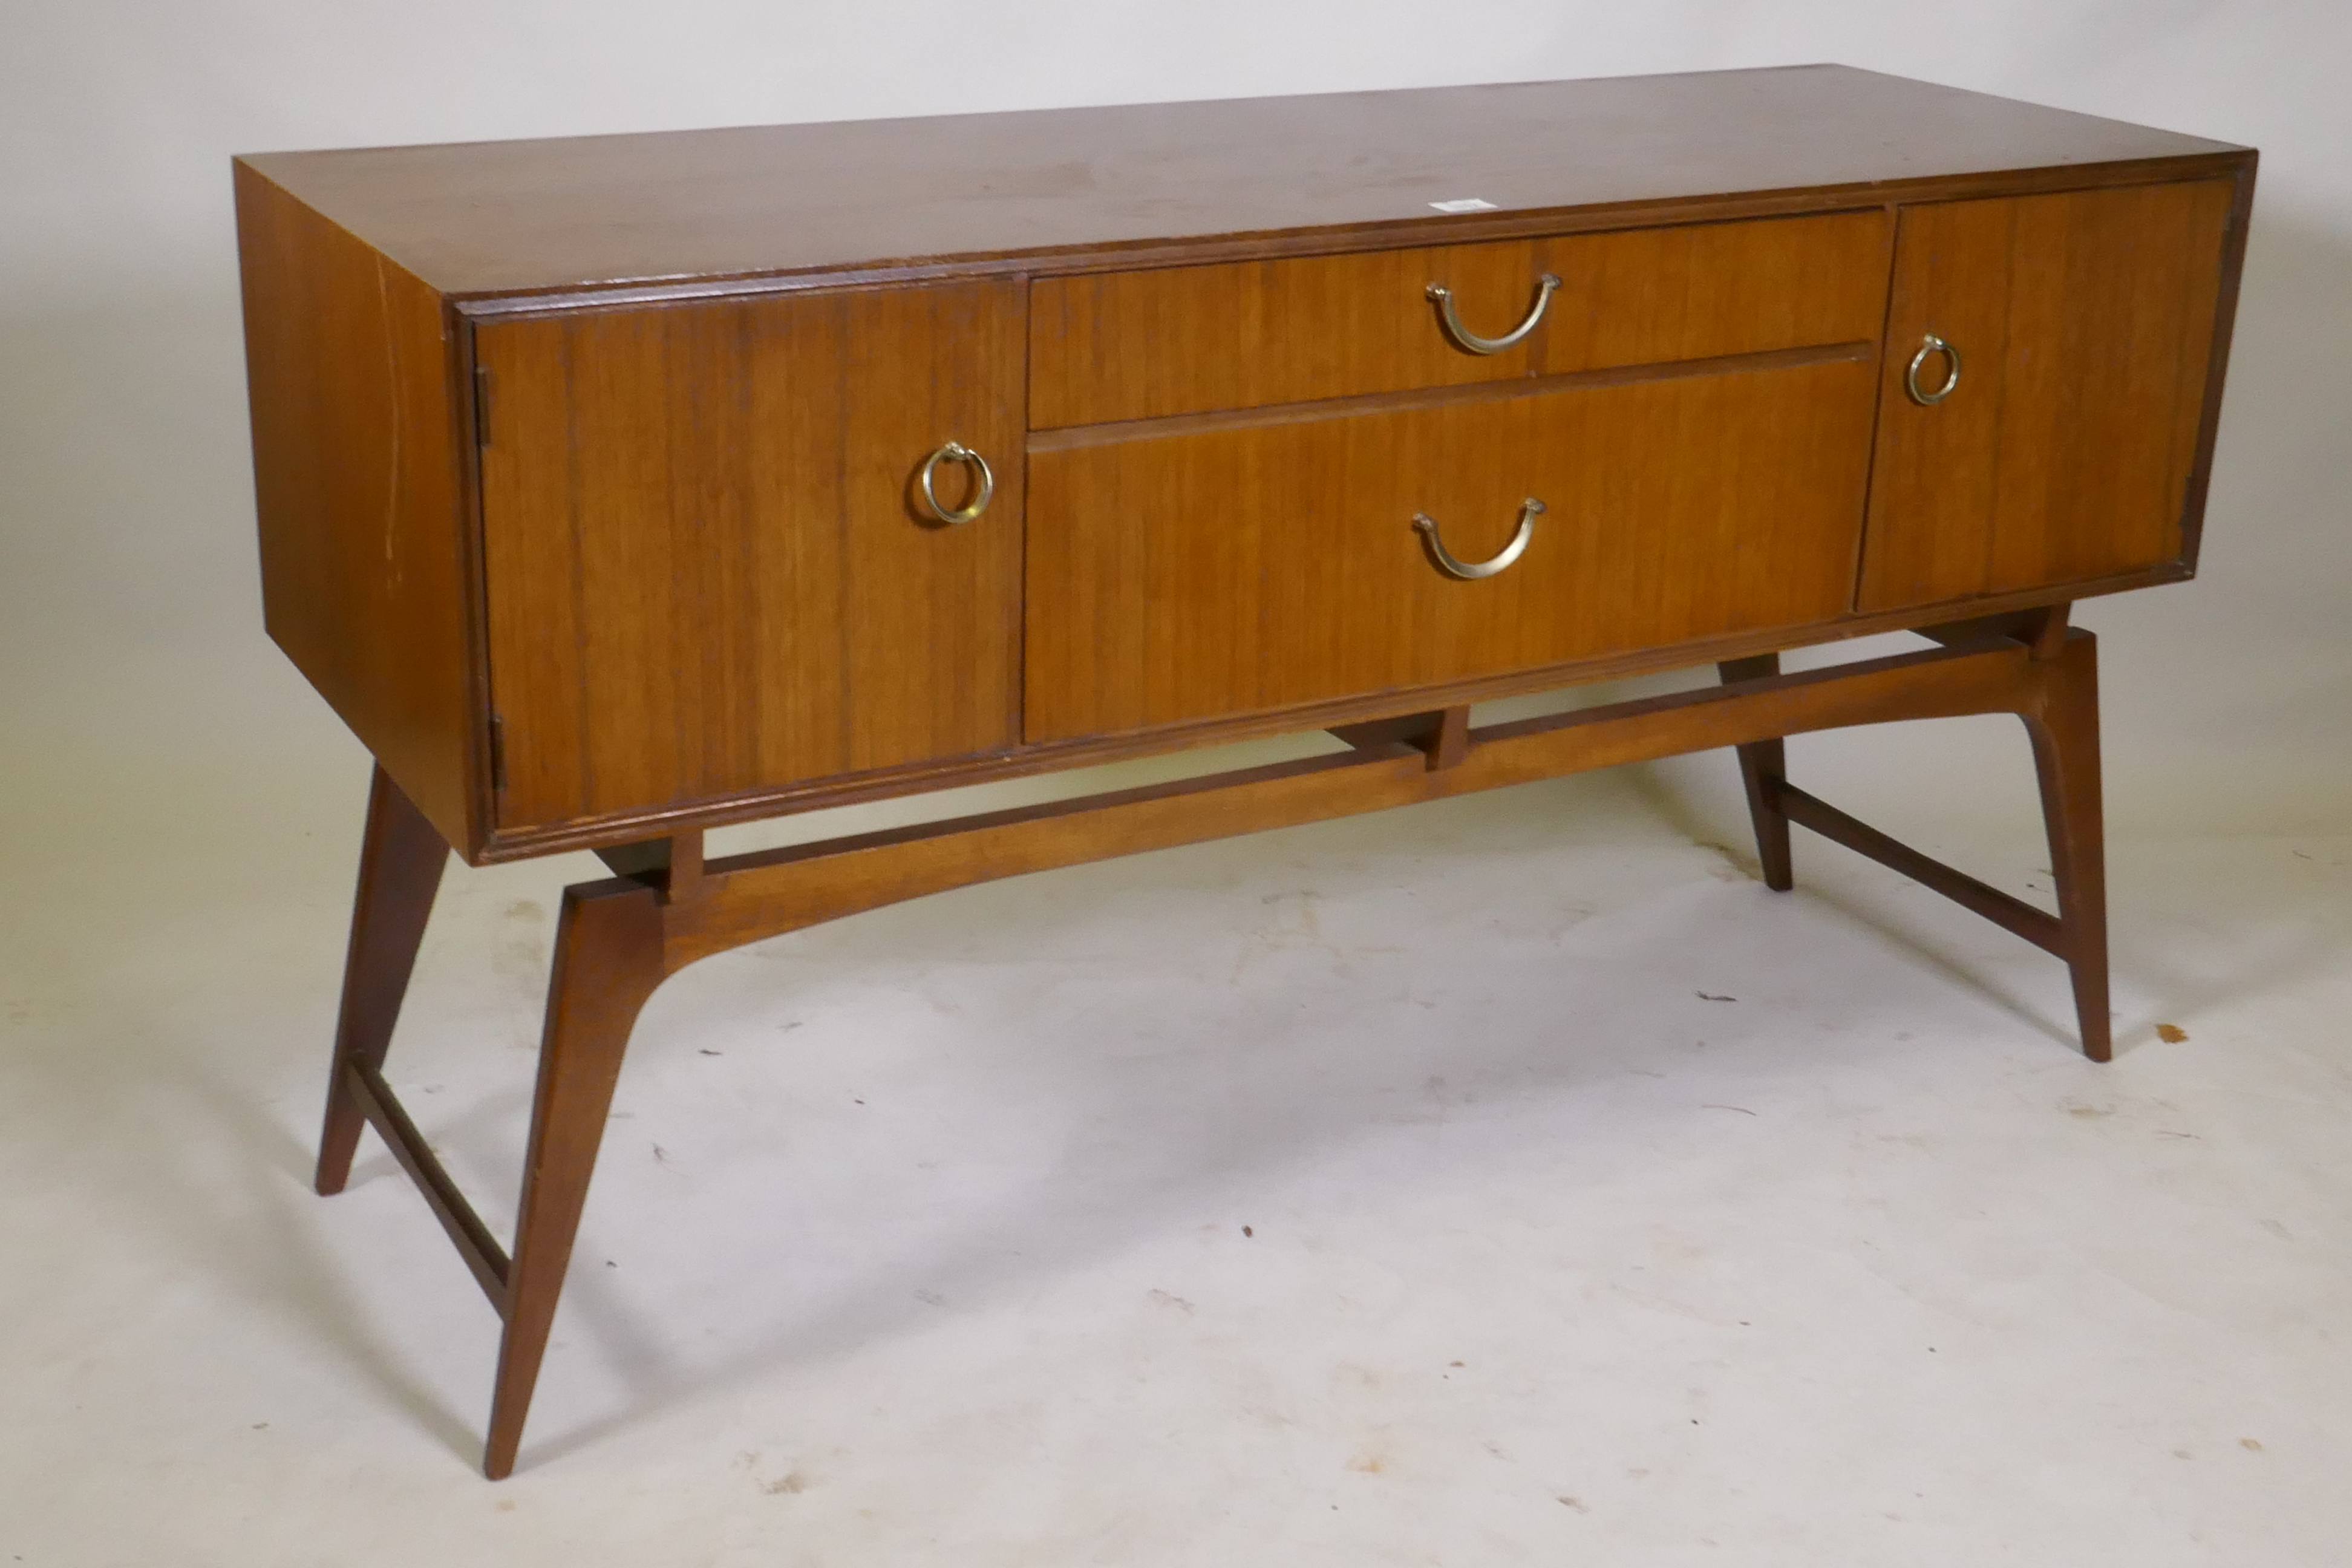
pixel 2111 318
pixel 706 570
pixel 1117 346
pixel 483 218
pixel 1689 291
pixel 2084 321
pixel 1235 570
pixel 1937 470
pixel 365 549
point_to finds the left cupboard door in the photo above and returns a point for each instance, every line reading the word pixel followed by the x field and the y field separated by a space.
pixel 712 569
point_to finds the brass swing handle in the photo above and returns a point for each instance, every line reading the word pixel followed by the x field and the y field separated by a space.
pixel 957 452
pixel 1929 347
pixel 1450 320
pixel 1469 571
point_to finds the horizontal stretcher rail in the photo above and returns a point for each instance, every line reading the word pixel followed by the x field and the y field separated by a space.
pixel 746 897
pixel 480 1250
pixel 2040 928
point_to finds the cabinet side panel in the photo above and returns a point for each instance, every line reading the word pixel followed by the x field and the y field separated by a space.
pixel 2112 308
pixel 2217 361
pixel 357 486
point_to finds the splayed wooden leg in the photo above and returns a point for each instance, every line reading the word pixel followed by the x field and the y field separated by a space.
pixel 1763 767
pixel 401 860
pixel 2065 730
pixel 608 960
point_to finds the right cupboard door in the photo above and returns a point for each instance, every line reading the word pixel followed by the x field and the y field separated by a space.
pixel 2043 384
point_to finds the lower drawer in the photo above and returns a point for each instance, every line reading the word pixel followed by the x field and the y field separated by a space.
pixel 1236 570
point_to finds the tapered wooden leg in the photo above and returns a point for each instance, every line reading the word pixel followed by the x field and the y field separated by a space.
pixel 608 960
pixel 2065 730
pixel 401 861
pixel 1763 766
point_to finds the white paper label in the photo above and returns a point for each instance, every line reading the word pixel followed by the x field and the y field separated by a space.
pixel 1466 205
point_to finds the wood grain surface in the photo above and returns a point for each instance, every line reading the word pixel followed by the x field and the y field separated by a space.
pixel 1933 482
pixel 1137 345
pixel 707 571
pixel 365 548
pixel 1183 340
pixel 1244 569
pixel 1688 291
pixel 508 217
pixel 2084 321
pixel 2111 317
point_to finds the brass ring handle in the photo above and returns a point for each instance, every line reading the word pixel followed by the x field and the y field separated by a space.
pixel 1468 342
pixel 1931 346
pixel 1469 571
pixel 957 452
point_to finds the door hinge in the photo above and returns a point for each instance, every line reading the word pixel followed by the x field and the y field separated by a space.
pixel 481 405
pixel 498 753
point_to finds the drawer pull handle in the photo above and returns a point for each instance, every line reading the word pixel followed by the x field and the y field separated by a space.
pixel 1469 571
pixel 1932 346
pixel 957 452
pixel 1468 342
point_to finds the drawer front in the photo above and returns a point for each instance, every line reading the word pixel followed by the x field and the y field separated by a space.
pixel 709 569
pixel 2084 323
pixel 1189 340
pixel 1240 569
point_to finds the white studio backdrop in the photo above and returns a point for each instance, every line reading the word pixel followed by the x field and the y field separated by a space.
pixel 131 661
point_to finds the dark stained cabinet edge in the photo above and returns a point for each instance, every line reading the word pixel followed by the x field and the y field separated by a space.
pixel 2217 364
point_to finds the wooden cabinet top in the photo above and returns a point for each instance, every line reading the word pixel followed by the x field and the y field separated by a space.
pixel 1069 188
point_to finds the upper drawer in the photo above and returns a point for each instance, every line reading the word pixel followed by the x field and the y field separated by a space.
pixel 1191 340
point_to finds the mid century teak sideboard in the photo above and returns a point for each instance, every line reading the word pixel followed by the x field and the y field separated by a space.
pixel 615 487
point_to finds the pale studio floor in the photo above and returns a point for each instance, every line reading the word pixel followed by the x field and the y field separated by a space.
pixel 1512 1179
